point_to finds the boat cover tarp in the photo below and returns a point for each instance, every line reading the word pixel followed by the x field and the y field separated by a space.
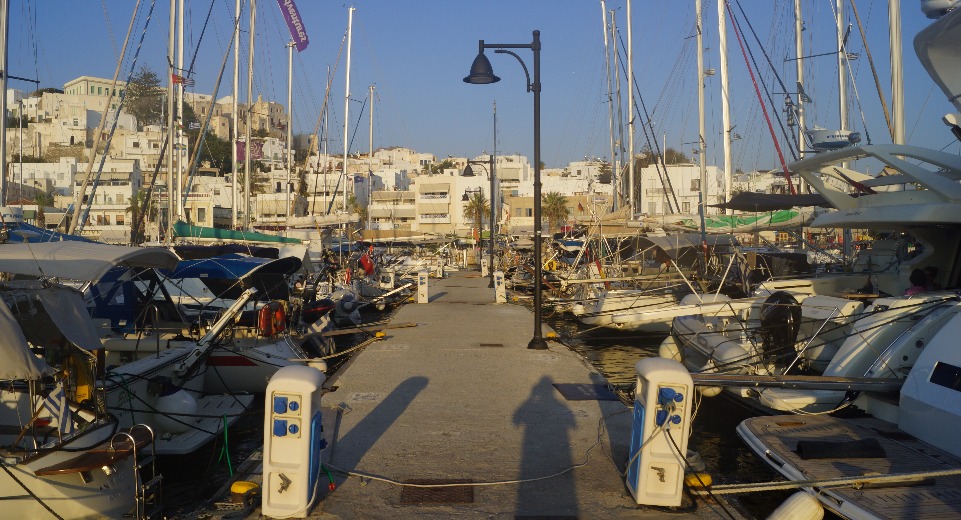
pixel 83 261
pixel 23 232
pixel 18 361
pixel 69 313
pixel 750 201
pixel 196 252
pixel 769 220
pixel 183 230
pixel 674 245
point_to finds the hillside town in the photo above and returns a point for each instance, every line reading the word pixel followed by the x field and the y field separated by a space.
pixel 397 191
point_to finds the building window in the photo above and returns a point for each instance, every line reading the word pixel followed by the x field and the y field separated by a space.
pixel 135 144
pixel 652 208
pixel 530 212
pixel 216 192
pixel 685 207
pixel 201 215
pixel 695 184
pixel 120 220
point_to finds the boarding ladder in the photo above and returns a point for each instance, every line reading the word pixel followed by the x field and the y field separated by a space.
pixel 148 494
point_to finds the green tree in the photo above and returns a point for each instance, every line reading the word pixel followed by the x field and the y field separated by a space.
pixel 477 208
pixel 42 91
pixel 435 168
pixel 144 97
pixel 554 208
pixel 604 173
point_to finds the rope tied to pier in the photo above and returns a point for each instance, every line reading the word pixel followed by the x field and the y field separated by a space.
pixel 857 482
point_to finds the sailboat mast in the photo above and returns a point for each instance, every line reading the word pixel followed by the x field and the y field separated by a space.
pixel 324 170
pixel 897 70
pixel 350 23
pixel 725 98
pixel 171 192
pixel 290 120
pixel 701 148
pixel 370 156
pixel 233 131
pixel 630 113
pixel 179 128
pixel 799 71
pixel 620 115
pixel 610 101
pixel 842 77
pixel 4 32
pixel 248 149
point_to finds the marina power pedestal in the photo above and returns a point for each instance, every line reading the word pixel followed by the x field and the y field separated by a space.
pixel 662 414
pixel 293 440
pixel 500 291
pixel 423 289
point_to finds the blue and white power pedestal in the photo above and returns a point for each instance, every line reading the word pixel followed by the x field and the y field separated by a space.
pixel 293 440
pixel 423 287
pixel 662 414
pixel 500 290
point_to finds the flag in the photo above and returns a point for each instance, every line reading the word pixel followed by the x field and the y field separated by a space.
pixel 181 80
pixel 56 404
pixel 195 126
pixel 294 23
pixel 580 207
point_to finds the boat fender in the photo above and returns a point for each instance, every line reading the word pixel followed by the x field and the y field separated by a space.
pixel 669 350
pixel 174 411
pixel 698 480
pixel 799 506
pixel 272 319
pixel 709 391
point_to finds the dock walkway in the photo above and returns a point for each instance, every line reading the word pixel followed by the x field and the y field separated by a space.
pixel 460 399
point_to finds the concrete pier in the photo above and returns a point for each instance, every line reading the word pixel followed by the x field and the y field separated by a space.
pixel 459 399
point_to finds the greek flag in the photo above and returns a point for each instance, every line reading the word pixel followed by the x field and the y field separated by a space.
pixel 56 404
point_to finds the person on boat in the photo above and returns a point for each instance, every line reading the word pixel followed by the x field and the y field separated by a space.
pixel 918 283
pixel 931 278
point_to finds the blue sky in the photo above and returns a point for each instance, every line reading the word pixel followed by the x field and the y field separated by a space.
pixel 417 52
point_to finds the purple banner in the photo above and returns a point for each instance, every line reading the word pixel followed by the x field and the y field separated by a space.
pixel 294 23
pixel 256 151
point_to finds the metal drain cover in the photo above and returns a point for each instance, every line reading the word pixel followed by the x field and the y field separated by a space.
pixel 447 494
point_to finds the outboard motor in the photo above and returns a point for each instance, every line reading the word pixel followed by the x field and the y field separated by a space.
pixel 780 324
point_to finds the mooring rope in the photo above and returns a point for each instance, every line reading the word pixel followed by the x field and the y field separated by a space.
pixel 856 482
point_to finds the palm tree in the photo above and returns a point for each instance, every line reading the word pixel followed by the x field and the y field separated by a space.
pixel 554 208
pixel 139 218
pixel 476 208
pixel 42 199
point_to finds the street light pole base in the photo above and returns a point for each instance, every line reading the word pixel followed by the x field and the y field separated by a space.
pixel 537 343
pixel 490 285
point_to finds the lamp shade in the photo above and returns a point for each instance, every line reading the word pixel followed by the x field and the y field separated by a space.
pixel 468 171
pixel 481 72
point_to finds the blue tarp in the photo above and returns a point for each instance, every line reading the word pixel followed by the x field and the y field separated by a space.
pixel 36 235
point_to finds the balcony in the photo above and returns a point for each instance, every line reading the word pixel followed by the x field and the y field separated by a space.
pixel 434 218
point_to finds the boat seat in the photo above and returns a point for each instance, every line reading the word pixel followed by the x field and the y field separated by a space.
pixel 96 459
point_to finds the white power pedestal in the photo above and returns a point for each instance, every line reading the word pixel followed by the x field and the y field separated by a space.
pixel 423 287
pixel 500 290
pixel 662 418
pixel 293 440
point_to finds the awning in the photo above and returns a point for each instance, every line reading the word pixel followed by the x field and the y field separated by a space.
pixel 83 261
pixel 435 188
pixel 433 209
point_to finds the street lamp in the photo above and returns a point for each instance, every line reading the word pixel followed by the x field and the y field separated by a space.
pixel 481 73
pixel 468 172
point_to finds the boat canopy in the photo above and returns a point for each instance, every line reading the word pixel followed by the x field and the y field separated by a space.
pixel 183 230
pixel 768 220
pixel 42 316
pixel 196 252
pixel 83 261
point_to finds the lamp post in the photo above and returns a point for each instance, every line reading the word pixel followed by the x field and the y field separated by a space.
pixel 481 73
pixel 468 172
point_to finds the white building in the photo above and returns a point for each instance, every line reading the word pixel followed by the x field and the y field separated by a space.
pixel 685 179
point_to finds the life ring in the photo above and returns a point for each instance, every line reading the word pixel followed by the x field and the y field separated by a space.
pixel 272 319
